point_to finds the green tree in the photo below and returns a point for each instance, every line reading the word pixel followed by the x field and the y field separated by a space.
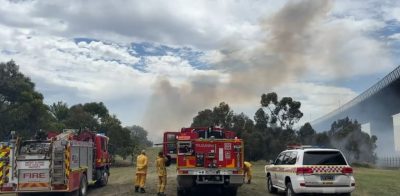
pixel 284 113
pixel 120 139
pixel 306 134
pixel 97 110
pixel 59 112
pixel 21 107
pixel 357 146
pixel 220 116
pixel 139 137
pixel 241 123
pixel 203 119
pixel 261 119
pixel 78 118
pixel 322 139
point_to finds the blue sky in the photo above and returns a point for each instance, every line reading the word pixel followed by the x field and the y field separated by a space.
pixel 157 63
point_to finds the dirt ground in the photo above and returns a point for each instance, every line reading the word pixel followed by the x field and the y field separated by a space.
pixel 121 183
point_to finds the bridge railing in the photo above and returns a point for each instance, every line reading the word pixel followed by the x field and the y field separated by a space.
pixel 389 162
pixel 388 79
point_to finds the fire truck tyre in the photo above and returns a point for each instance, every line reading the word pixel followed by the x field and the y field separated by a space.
pixel 104 178
pixel 182 192
pixel 23 194
pixel 232 191
pixel 289 189
pixel 271 188
pixel 168 162
pixel 83 186
pixel 346 194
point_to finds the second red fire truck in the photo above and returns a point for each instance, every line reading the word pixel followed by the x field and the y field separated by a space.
pixel 206 156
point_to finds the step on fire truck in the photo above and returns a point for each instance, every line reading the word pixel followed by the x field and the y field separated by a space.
pixel 63 163
pixel 206 156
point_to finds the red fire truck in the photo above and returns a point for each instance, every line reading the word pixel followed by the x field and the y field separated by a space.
pixel 206 156
pixel 63 163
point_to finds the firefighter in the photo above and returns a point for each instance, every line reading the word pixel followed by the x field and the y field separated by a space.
pixel 247 171
pixel 162 173
pixel 141 170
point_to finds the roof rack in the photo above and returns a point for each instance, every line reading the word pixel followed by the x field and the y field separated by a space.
pixel 299 146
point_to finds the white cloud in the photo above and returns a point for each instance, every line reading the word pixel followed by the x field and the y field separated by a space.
pixel 38 35
pixel 395 37
pixel 316 99
pixel 341 49
pixel 199 24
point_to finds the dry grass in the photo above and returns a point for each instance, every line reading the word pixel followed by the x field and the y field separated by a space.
pixel 369 182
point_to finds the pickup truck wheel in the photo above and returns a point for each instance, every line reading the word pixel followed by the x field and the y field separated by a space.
pixel 270 186
pixel 289 189
pixel 83 186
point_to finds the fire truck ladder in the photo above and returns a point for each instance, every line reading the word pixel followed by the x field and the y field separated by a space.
pixel 58 166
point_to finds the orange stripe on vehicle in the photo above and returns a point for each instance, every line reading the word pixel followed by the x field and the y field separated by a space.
pixel 33 185
pixel 232 164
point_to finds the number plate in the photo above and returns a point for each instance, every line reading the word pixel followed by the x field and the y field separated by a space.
pixel 327 177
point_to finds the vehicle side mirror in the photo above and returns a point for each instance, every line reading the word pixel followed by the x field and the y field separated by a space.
pixel 271 162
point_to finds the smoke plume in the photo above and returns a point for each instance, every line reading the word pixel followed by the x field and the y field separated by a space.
pixel 284 55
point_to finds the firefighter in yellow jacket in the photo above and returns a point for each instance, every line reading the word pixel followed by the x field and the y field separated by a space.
pixel 162 173
pixel 247 171
pixel 141 171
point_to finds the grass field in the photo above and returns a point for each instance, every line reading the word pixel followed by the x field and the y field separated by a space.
pixel 369 182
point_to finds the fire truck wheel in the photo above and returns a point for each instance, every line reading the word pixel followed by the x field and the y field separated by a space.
pixel 231 191
pixel 103 181
pixel 83 186
pixel 271 188
pixel 168 162
pixel 182 192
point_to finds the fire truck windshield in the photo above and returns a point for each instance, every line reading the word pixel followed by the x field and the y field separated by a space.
pixel 217 134
pixel 34 147
pixel 171 143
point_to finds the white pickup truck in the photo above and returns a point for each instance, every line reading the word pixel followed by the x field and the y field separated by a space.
pixel 310 170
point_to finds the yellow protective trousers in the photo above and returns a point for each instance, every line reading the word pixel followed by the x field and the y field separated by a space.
pixel 162 182
pixel 248 174
pixel 140 179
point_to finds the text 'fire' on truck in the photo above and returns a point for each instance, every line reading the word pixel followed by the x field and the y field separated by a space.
pixel 63 163
pixel 205 156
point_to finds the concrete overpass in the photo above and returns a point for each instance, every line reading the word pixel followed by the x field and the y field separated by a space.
pixel 377 109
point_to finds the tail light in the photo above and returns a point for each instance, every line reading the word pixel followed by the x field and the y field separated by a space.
pixel 304 170
pixel 347 170
pixel 183 171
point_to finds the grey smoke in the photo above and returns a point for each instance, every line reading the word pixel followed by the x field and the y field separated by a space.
pixel 280 58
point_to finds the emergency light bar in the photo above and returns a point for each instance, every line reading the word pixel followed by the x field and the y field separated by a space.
pixel 295 146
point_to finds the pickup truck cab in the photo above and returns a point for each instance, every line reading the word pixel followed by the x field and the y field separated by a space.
pixel 310 170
